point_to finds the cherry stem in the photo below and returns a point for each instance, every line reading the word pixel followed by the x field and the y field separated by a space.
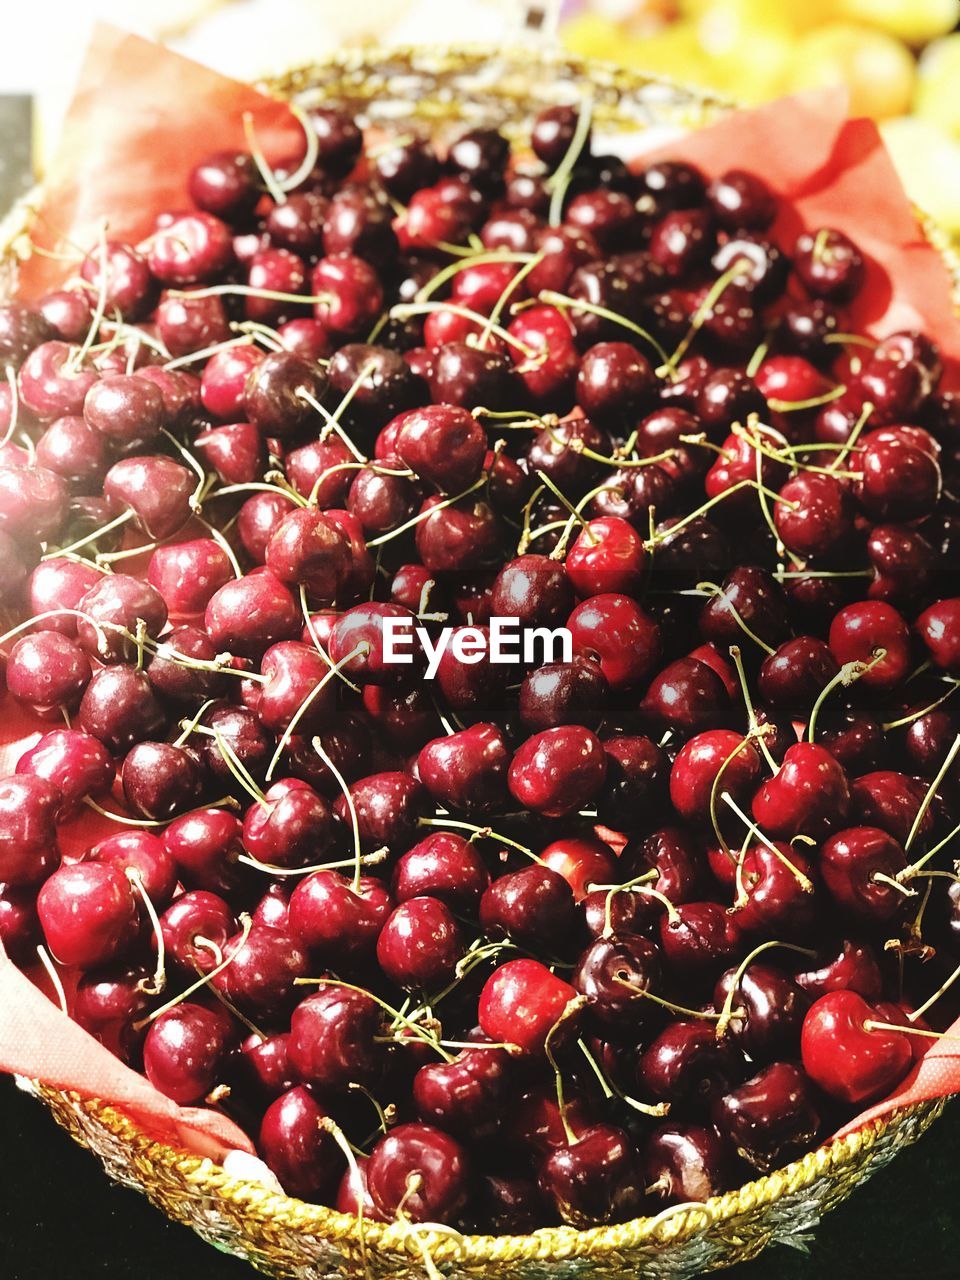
pixel 475 260
pixel 802 880
pixel 848 674
pixel 757 732
pixel 312 631
pixel 424 515
pixel 159 981
pixel 666 1004
pixel 739 268
pixel 727 1011
pixel 712 589
pixel 941 990
pixel 122 818
pixel 574 513
pixel 479 833
pixel 351 809
pixel 234 765
pixel 399 1018
pixel 872 1024
pixel 909 872
pixel 672 914
pixel 559 181
pixel 259 486
pixel 368 859
pixel 931 792
pixel 572 1007
pixel 246 924
pixel 853 437
pixel 513 284
pixel 715 793
pixel 918 715
pixel 54 977
pixel 564 302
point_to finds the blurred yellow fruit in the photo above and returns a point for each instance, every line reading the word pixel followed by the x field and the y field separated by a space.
pixel 928 162
pixel 878 70
pixel 770 13
pixel 916 21
pixel 937 99
pixel 674 51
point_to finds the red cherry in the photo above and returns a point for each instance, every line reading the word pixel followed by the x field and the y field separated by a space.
pixel 189 249
pixel 205 845
pixel 558 771
pixel 420 944
pixel 467 770
pixel 860 631
pixel 607 556
pixel 846 1058
pixel 249 614
pixel 534 907
pixel 467 1097
pixel 809 796
pixel 195 920
pixel 74 762
pixel 939 629
pixel 521 1002
pixel 770 1119
pixel 419 1156
pixel 697 767
pixel 184 1052
pixel 47 671
pixel 444 866
pixel 849 864
pixel 186 574
pixel 613 630
pixel 292 827
pixel 596 1178
pixel 581 861
pixel 336 920
pixel 234 451
pixel 88 913
pixel 333 1038
pixel 292 1141
pixel 29 806
pixel 814 515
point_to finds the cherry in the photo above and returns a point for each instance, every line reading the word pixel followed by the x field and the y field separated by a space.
pixel 299 1150
pixel 273 909
pixel 444 445
pixel 420 1170
pixel 533 907
pixel 460 538
pixel 22 329
pixel 51 384
pixel 276 394
pixel 891 801
pixel 189 249
pixel 156 489
pixel 74 451
pixel 684 1162
pixel 748 595
pixel 306 337
pixel 184 1052
pixel 88 912
pixel 336 920
pixel 205 844
pixel 767 1009
pixel 814 515
pixel 186 574
pixel 292 827
pixel 47 671
pixel 635 789
pixel 311 470
pixel 19 925
pixel 697 771
pixel 850 862
pixel 263 1067
pixel 108 1002
pixel 777 895
pixel 563 693
pixel 29 805
pixel 243 735
pixel 607 556
pixel 809 796
pixel 195 920
pixel 179 391
pixel 609 215
pixel 121 708
pixel 466 1097
pixel 792 678
pixel 770 1119
pixel 741 200
pixel 687 1062
pixel 612 974
pixel 224 381
pixel 308 549
pixel 613 630
pixel 558 771
pixel 258 519
pixel 899 481
pixel 420 944
pixel 467 770
pixel 388 808
pixel 845 1057
pixel 353 1195
pixel 405 166
pixel 903 561
pixel 249 614
pixel 187 324
pixel 853 967
pixel 333 1038
pixel 687 696
pixel 264 967
pixel 352 296
pixel 160 779
pixel 380 382
pixel 596 1178
pixel 682 241
pixel 582 861
pixel 829 264
pixel 76 763
pixel 534 589
pixel 859 632
pixel 293 674
pixel 443 866
pixel 559 452
pixel 225 184
pixel 33 503
pixel 939 628
pixel 698 937
pixel 521 1003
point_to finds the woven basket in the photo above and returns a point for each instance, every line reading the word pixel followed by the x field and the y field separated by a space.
pixel 437 90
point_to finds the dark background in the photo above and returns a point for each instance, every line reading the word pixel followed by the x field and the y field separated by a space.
pixel 59 1216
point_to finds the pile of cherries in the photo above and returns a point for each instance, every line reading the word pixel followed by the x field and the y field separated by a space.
pixel 519 944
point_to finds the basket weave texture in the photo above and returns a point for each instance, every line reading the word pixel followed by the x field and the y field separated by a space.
pixel 437 90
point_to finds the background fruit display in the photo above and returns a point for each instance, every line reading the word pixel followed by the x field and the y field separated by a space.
pixel 899 59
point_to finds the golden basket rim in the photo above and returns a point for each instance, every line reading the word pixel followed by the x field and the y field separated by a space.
pixel 670 1227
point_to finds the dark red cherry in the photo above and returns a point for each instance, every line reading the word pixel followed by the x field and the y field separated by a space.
pixel 73 450
pixel 467 770
pixel 333 1038
pixel 899 481
pixel 467 1097
pixel 742 200
pixel 635 789
pixel 533 907
pixel 687 1063
pixel 29 806
pixel 426 1159
pixel 261 976
pixel 351 292
pixel 682 241
pixel 698 938
pixel 771 1119
pixel 596 1178
pixel 59 584
pixel 613 974
pixel 848 1059
pixel 814 515
pixel 191 248
pixel 114 609
pixel 534 589
pixel 792 678
pixel 809 796
pixel 236 732
pixel 847 966
pixel 160 779
pixel 88 912
pixel 47 671
pixel 205 845
pixel 767 1009
pixel 697 767
pixel 19 924
pixel 184 1052
pixel 298 1149
pixel 278 391
pixel 850 862
pixel 683 1162
pixel 558 771
pixel 829 264
pixel 443 866
pixel 249 614
pixel 388 808
pixel 420 944
pixel 444 445
pixel 75 762
pixel 196 928
pixel 406 165
pixel 563 693
pixel 777 892
pixel 459 538
pixel 292 827
pixel 121 708
pixel 294 672
pixel 307 549
pixel 872 631
pixel 224 381
pixel 613 630
pixel 337 920
pixel 939 629
pixel 687 696
pixel 225 184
